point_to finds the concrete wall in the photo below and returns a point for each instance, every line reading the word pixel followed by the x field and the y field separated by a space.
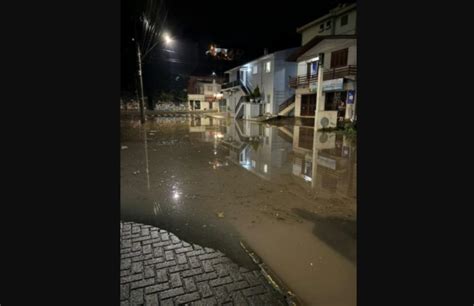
pixel 233 75
pixel 211 89
pixel 313 31
pixel 350 27
pixel 232 98
pixel 251 110
pixel 335 28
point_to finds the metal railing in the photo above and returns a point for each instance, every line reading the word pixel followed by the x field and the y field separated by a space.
pixel 334 73
pixel 287 103
pixel 230 84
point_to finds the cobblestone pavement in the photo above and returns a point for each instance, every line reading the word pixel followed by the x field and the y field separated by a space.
pixel 157 268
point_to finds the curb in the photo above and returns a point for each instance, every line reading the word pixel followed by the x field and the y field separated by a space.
pixel 272 278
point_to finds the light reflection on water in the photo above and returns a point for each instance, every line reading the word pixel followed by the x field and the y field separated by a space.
pixel 273 152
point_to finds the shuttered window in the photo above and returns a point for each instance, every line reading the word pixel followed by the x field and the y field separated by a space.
pixel 339 58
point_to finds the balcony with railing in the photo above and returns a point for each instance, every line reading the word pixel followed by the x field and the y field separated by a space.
pixel 239 84
pixel 334 73
pixel 231 84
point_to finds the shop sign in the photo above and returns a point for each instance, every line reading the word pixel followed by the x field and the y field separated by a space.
pixel 329 85
pixel 333 85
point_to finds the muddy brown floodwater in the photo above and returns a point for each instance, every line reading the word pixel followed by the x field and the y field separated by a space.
pixel 215 182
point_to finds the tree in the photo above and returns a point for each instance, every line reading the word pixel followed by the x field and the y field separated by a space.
pixel 255 94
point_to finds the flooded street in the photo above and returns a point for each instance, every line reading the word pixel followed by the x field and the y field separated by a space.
pixel 216 182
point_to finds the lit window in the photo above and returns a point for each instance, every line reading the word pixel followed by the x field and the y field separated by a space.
pixel 268 66
pixel 255 69
pixel 344 20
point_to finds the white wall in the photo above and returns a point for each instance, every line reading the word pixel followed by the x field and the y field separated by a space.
pixel 350 27
pixel 273 83
pixel 233 75
pixel 313 31
pixel 336 28
pixel 251 110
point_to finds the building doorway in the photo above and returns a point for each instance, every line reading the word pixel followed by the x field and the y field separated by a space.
pixel 336 101
pixel 308 105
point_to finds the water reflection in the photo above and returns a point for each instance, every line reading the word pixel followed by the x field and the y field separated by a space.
pixel 273 152
pixel 197 167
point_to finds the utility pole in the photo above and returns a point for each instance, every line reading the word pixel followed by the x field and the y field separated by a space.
pixel 319 90
pixel 142 101
pixel 319 95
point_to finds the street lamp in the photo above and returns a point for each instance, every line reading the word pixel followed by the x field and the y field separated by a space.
pixel 168 40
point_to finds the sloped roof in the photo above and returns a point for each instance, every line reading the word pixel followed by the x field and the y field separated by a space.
pixel 313 42
pixel 334 12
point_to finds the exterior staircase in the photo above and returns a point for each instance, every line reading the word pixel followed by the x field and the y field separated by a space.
pixel 286 107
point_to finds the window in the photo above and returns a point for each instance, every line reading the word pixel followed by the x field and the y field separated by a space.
pixel 328 25
pixel 255 69
pixel 269 98
pixel 339 58
pixel 321 27
pixel 344 20
pixel 197 104
pixel 268 66
pixel 312 68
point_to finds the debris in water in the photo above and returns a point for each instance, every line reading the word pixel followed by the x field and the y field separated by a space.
pixel 311 264
pixel 220 214
pixel 204 225
pixel 124 147
pixel 278 217
pixel 136 172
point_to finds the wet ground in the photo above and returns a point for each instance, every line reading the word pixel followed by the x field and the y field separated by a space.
pixel 215 182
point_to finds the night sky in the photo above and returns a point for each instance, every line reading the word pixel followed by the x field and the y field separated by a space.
pixel 247 25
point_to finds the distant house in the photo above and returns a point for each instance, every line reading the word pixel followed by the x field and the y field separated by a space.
pixel 204 93
pixel 270 73
pixel 333 35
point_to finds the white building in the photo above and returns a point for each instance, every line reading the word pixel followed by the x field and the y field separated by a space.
pixel 270 73
pixel 334 36
pixel 203 93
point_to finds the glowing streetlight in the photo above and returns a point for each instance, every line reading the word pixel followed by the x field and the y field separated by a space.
pixel 167 38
